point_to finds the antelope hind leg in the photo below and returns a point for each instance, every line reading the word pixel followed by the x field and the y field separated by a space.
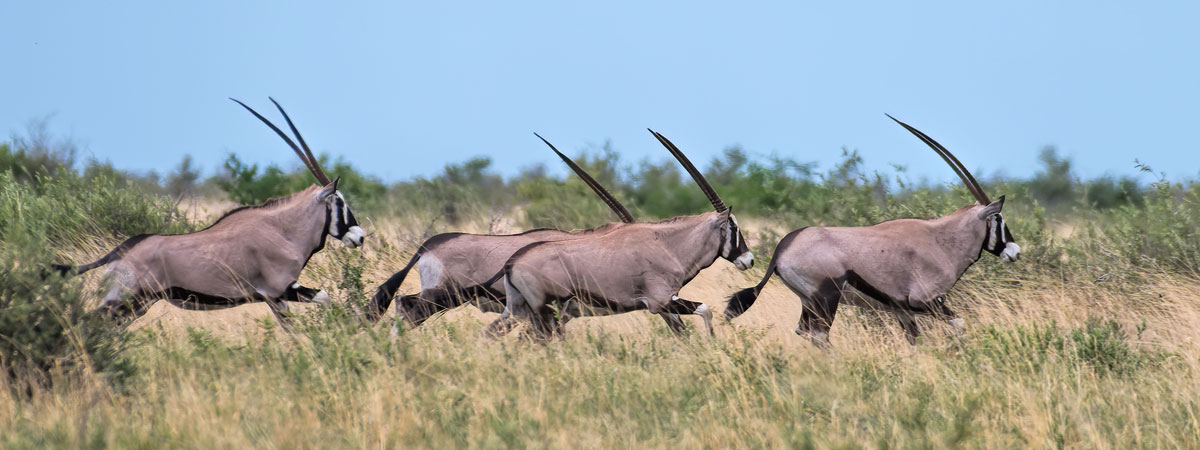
pixel 121 302
pixel 545 326
pixel 819 310
pixel 417 308
pixel 514 303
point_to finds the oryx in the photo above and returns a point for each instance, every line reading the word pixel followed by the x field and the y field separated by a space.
pixel 638 266
pixel 252 253
pixel 905 266
pixel 459 268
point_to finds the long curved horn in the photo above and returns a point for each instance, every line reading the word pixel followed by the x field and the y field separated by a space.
pixel 316 166
pixel 691 169
pixel 959 168
pixel 287 139
pixel 609 200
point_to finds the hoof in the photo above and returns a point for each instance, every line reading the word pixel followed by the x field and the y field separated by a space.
pixel 958 325
pixel 322 298
pixel 705 313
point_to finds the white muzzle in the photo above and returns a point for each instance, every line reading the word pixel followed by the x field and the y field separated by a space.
pixel 354 236
pixel 1011 253
pixel 744 261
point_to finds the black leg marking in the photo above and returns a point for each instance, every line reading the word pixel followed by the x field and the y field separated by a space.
pixel 417 308
pixel 674 323
pixel 299 294
pixel 819 312
pixel 909 324
pixel 280 310
pixel 682 306
pixel 482 296
pixel 545 325
pixel 943 310
pixel 679 305
pixel 127 311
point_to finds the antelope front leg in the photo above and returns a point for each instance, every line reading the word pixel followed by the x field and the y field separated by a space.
pixel 282 313
pixel 279 308
pixel 679 305
pixel 674 323
pixel 957 323
pixel 300 293
pixel 909 324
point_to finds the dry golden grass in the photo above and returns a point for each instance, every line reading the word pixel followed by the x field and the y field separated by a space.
pixel 1020 377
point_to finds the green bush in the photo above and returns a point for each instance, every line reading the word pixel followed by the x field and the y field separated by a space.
pixel 247 186
pixel 46 330
pixel 62 210
pixel 570 203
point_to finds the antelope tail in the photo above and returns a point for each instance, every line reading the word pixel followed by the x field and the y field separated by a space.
pixel 115 254
pixel 387 290
pixel 741 300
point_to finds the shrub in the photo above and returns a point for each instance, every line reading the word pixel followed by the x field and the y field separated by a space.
pixel 44 324
pixel 45 328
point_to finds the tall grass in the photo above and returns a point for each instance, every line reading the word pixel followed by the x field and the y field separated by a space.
pixel 1035 370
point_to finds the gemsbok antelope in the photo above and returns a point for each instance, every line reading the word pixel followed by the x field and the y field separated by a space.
pixel 460 268
pixel 640 266
pixel 252 253
pixel 905 266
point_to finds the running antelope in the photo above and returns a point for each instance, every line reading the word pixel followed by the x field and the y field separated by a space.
pixel 459 268
pixel 639 266
pixel 905 266
pixel 252 253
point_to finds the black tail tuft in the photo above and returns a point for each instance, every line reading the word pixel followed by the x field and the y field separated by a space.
pixel 384 293
pixel 62 269
pixel 740 301
pixel 55 269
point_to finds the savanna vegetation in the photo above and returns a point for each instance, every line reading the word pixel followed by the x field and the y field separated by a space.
pixel 1090 341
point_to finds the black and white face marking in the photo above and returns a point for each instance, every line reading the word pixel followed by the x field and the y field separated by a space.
pixel 342 224
pixel 733 245
pixel 999 240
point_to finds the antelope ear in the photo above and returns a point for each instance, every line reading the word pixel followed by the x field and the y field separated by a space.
pixel 329 189
pixel 992 208
pixel 722 218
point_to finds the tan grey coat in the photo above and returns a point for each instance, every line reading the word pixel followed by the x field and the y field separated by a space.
pixel 904 266
pixel 252 253
pixel 639 266
pixel 465 268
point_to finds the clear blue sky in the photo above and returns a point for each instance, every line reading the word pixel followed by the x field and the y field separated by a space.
pixel 402 89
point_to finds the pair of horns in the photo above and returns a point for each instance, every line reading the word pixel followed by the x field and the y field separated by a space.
pixel 609 200
pixel 691 169
pixel 310 161
pixel 954 163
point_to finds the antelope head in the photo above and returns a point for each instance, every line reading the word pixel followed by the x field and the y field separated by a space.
pixel 998 240
pixel 341 223
pixel 733 244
